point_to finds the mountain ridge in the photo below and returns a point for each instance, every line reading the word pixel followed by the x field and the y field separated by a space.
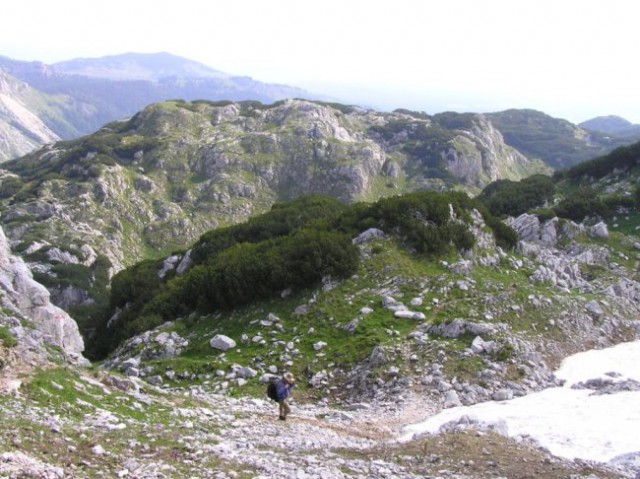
pixel 117 86
pixel 612 124
pixel 138 66
pixel 77 104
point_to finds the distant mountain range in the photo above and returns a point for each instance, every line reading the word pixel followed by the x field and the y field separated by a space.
pixel 42 103
pixel 77 97
pixel 612 125
pixel 140 66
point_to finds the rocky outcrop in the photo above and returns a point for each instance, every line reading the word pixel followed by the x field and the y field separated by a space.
pixel 30 301
pixel 479 155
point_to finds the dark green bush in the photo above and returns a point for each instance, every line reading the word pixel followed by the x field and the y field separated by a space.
pixel 621 159
pixel 283 219
pixel 135 285
pixel 512 198
pixel 584 202
pixel 9 186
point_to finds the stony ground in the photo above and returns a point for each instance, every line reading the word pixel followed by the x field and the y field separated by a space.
pixel 94 425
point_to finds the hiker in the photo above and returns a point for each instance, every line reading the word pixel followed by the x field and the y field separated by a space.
pixel 283 389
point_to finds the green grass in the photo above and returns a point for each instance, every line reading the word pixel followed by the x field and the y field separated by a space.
pixel 7 339
pixel 628 224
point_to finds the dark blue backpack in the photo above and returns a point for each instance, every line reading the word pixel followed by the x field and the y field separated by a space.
pixel 272 389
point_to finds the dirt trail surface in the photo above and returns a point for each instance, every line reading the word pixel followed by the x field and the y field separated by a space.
pixel 115 427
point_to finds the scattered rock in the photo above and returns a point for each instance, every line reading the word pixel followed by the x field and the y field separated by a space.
pixel 222 342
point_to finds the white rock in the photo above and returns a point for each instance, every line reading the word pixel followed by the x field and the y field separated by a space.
pixel 98 450
pixel 451 399
pixel 222 342
pixel 406 314
pixel 368 235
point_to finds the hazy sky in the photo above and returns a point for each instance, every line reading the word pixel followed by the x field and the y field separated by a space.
pixel 572 59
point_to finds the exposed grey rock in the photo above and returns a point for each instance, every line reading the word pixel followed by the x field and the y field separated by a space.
pixel 56 255
pixel 527 227
pixel 69 297
pixel 406 314
pixel 608 386
pixel 451 399
pixel 168 265
pixel 130 363
pixel 530 230
pixel 417 301
pixel 222 342
pixel 458 327
pixel 599 231
pixel 369 235
pixel 319 379
pixel 377 357
pixel 594 309
pixel 185 263
pixel 243 371
pixel 32 300
pixel 502 395
pixel 479 345
pixel 625 288
pixel 392 304
pixel 463 267
pixel 156 380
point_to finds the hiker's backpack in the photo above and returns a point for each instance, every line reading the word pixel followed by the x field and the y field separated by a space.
pixel 272 390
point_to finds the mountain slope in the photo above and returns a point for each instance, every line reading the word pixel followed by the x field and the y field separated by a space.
pixel 156 182
pixel 21 129
pixel 401 339
pixel 559 143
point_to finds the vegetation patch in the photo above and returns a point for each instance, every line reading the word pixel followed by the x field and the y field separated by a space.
pixel 7 339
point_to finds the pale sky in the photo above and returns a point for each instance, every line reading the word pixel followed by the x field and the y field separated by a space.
pixel 572 59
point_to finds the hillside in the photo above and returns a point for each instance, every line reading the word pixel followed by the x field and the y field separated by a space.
pixel 401 339
pixel 22 130
pixel 154 183
pixel 559 143
pixel 434 314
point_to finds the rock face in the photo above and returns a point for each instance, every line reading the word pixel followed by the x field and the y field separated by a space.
pixel 30 300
